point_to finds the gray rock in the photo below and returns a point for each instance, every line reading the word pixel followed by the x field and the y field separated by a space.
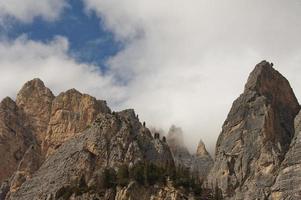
pixel 255 136
pixel 288 182
pixel 106 144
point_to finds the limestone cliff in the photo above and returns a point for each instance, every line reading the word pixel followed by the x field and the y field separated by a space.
pixel 112 141
pixel 255 136
pixel 71 113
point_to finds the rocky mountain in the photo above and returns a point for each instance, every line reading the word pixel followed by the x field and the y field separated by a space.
pixel 199 163
pixel 72 146
pixel 112 141
pixel 255 137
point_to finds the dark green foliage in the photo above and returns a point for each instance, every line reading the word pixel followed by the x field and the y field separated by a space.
pixel 146 173
pixel 108 178
pixel 123 175
pixel 137 173
pixel 155 174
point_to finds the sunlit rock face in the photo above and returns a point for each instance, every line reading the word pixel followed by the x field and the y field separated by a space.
pixel 255 136
pixel 36 124
pixel 113 140
pixel 71 113
pixel 35 101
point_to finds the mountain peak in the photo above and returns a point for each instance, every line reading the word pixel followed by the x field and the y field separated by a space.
pixel 201 149
pixel 34 88
pixel 262 73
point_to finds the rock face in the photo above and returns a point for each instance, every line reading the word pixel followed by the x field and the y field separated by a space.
pixel 37 124
pixel 288 182
pixel 199 163
pixel 255 136
pixel 202 162
pixel 113 140
pixel 14 137
pixel 71 113
pixel 34 99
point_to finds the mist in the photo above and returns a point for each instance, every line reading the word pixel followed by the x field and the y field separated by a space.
pixel 182 62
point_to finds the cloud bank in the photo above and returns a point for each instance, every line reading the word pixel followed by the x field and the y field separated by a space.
pixel 186 61
pixel 183 62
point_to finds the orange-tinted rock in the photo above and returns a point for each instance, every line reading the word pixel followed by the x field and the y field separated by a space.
pixel 35 100
pixel 14 138
pixel 72 112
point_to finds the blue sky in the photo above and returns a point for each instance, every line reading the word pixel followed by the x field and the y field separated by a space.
pixel 89 41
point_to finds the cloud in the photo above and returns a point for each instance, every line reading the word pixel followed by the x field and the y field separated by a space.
pixel 27 10
pixel 23 59
pixel 184 62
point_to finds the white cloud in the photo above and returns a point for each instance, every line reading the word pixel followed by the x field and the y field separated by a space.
pixel 27 10
pixel 186 61
pixel 23 59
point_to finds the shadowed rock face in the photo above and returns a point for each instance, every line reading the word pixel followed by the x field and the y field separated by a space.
pixel 255 136
pixel 288 182
pixel 14 137
pixel 199 163
pixel 178 148
pixel 113 140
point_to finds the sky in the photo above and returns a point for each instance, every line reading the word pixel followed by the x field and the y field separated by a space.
pixel 173 61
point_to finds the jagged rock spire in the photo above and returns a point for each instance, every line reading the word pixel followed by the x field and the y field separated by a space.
pixel 201 149
pixel 255 136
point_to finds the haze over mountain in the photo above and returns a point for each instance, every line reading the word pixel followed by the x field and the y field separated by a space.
pixel 176 62
pixel 73 146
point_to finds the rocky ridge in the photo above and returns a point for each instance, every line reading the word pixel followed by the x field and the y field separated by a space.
pixel 112 141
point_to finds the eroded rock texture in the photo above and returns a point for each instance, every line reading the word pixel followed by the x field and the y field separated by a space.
pixel 35 100
pixel 71 113
pixel 255 136
pixel 15 138
pixel 288 182
pixel 113 140
pixel 37 124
